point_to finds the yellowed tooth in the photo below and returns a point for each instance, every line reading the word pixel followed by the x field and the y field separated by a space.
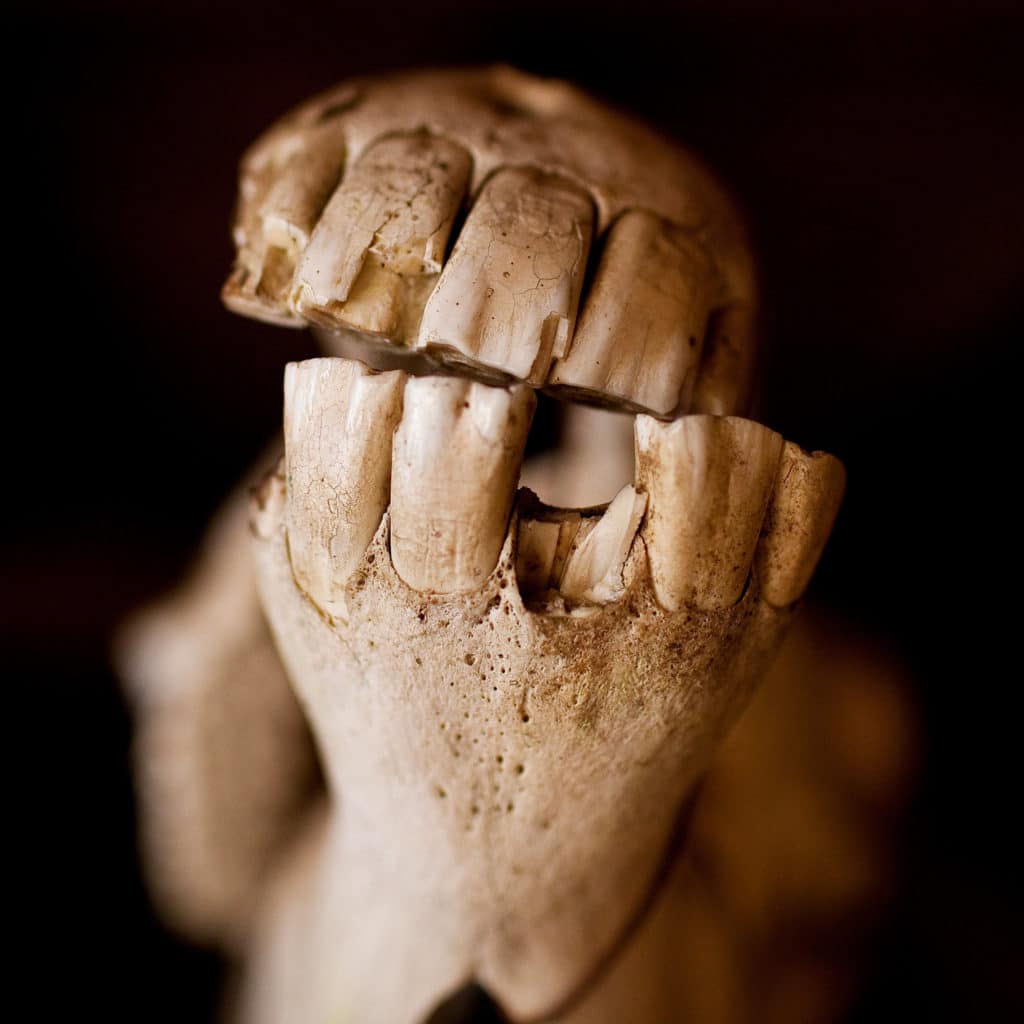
pixel 726 374
pixel 642 326
pixel 803 507
pixel 544 540
pixel 507 297
pixel 455 465
pixel 593 570
pixel 286 179
pixel 381 240
pixel 709 480
pixel 339 420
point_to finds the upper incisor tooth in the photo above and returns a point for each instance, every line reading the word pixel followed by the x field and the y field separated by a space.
pixel 285 181
pixel 802 510
pixel 642 325
pixel 455 466
pixel 593 570
pixel 708 480
pixel 507 297
pixel 383 234
pixel 339 420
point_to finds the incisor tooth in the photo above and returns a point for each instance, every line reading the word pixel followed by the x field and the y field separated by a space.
pixel 455 465
pixel 708 480
pixel 642 325
pixel 285 181
pixel 339 418
pixel 803 507
pixel 543 543
pixel 381 240
pixel 593 570
pixel 508 295
pixel 726 369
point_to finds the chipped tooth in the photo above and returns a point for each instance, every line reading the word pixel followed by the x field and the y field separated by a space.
pixel 642 325
pixel 593 570
pixel 455 466
pixel 508 295
pixel 380 243
pixel 339 418
pixel 285 181
pixel 709 480
pixel 543 543
pixel 726 373
pixel 808 491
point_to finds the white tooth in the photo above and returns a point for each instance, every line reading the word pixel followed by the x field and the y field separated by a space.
pixel 709 480
pixel 643 322
pixel 543 544
pixel 455 465
pixel 381 240
pixel 803 507
pixel 507 297
pixel 285 180
pixel 339 420
pixel 593 570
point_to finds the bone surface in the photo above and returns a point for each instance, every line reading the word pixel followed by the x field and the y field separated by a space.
pixel 541 171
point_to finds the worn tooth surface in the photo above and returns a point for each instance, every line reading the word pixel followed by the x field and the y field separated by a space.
pixel 803 507
pixel 642 326
pixel 381 240
pixel 709 480
pixel 593 569
pixel 455 465
pixel 285 181
pixel 339 420
pixel 726 374
pixel 543 544
pixel 508 295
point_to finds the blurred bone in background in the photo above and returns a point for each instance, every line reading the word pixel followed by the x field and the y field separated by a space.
pixel 878 151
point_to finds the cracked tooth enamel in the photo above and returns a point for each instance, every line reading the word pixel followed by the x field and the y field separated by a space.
pixel 543 544
pixel 708 480
pixel 508 294
pixel 642 325
pixel 456 461
pixel 802 510
pixel 339 420
pixel 593 570
pixel 726 373
pixel 285 181
pixel 381 241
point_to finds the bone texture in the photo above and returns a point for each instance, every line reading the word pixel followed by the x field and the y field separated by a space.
pixel 538 174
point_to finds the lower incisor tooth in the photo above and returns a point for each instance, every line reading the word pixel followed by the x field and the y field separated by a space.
pixel 708 480
pixel 800 515
pixel 642 326
pixel 456 461
pixel 593 570
pixel 507 297
pixel 338 422
pixel 543 544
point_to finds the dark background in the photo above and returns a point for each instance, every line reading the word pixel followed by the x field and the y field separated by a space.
pixel 879 151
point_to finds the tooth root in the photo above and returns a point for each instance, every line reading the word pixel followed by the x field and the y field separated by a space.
pixel 454 470
pixel 339 418
pixel 642 325
pixel 285 181
pixel 802 510
pixel 381 240
pixel 725 377
pixel 708 480
pixel 593 570
pixel 542 546
pixel 507 297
